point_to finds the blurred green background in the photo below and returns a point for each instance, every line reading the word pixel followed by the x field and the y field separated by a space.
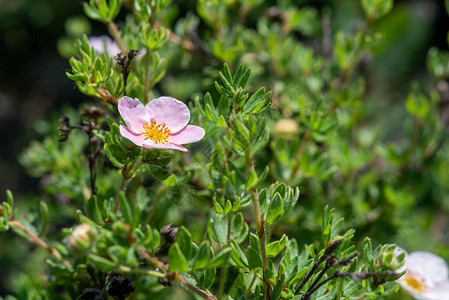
pixel 33 85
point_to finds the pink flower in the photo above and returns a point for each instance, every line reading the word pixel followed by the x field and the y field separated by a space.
pixel 161 124
pixel 104 43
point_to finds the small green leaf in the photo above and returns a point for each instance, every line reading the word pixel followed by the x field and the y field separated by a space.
pixel 184 240
pixel 202 256
pixel 102 263
pixel 10 198
pixel 253 253
pixel 276 209
pixel 237 255
pixel 274 248
pixel 93 210
pixel 277 290
pixel 224 107
pixel 43 210
pixel 377 8
pixel 208 278
pixel 125 208
pixel 220 259
pixel 176 260
pixel 257 102
pixel 252 180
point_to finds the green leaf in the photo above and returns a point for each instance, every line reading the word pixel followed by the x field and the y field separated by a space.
pixel 277 290
pixel 256 102
pixel 10 198
pixel 240 135
pixel 184 240
pixel 252 180
pixel 223 91
pixel 159 173
pixel 221 122
pixel 226 75
pixel 368 253
pixel 377 8
pixel 253 253
pixel 93 210
pixel 274 248
pixel 102 263
pixel 237 255
pixel 241 77
pixel 92 12
pixel 224 107
pixel 43 210
pixel 202 257
pixel 417 104
pixel 176 260
pixel 208 278
pixel 276 209
pixel 220 259
pixel 125 208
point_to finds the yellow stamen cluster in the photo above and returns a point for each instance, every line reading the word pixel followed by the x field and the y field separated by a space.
pixel 157 132
pixel 413 282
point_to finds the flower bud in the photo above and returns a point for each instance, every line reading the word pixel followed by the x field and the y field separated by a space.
pixel 286 127
pixel 81 238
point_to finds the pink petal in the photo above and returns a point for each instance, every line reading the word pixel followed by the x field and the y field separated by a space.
pixel 150 144
pixel 174 113
pixel 137 139
pixel 133 113
pixel 104 44
pixel 189 134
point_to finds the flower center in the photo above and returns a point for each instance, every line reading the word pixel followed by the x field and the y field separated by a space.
pixel 413 282
pixel 157 132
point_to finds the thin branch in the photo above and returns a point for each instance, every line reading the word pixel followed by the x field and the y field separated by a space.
pixel 38 241
pixel 329 250
pixel 147 76
pixel 113 30
pixel 186 44
pixel 300 154
pixel 260 227
pixel 121 189
pixel 224 275
pixel 250 286
pixel 201 293
pixel 126 269
pixel 174 276
pixel 154 205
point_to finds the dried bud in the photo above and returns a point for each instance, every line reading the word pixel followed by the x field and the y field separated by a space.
pixel 64 128
pixel 93 112
pixel 169 233
pixel 90 294
pixel 81 238
pixel 443 91
pixel 120 288
pixel 275 14
pixel 164 282
pixel 287 127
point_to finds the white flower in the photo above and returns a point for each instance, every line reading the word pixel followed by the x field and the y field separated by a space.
pixel 426 277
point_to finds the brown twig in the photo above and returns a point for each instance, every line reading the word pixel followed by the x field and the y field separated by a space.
pixel 260 227
pixel 329 250
pixel 176 277
pixel 38 241
pixel 113 30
